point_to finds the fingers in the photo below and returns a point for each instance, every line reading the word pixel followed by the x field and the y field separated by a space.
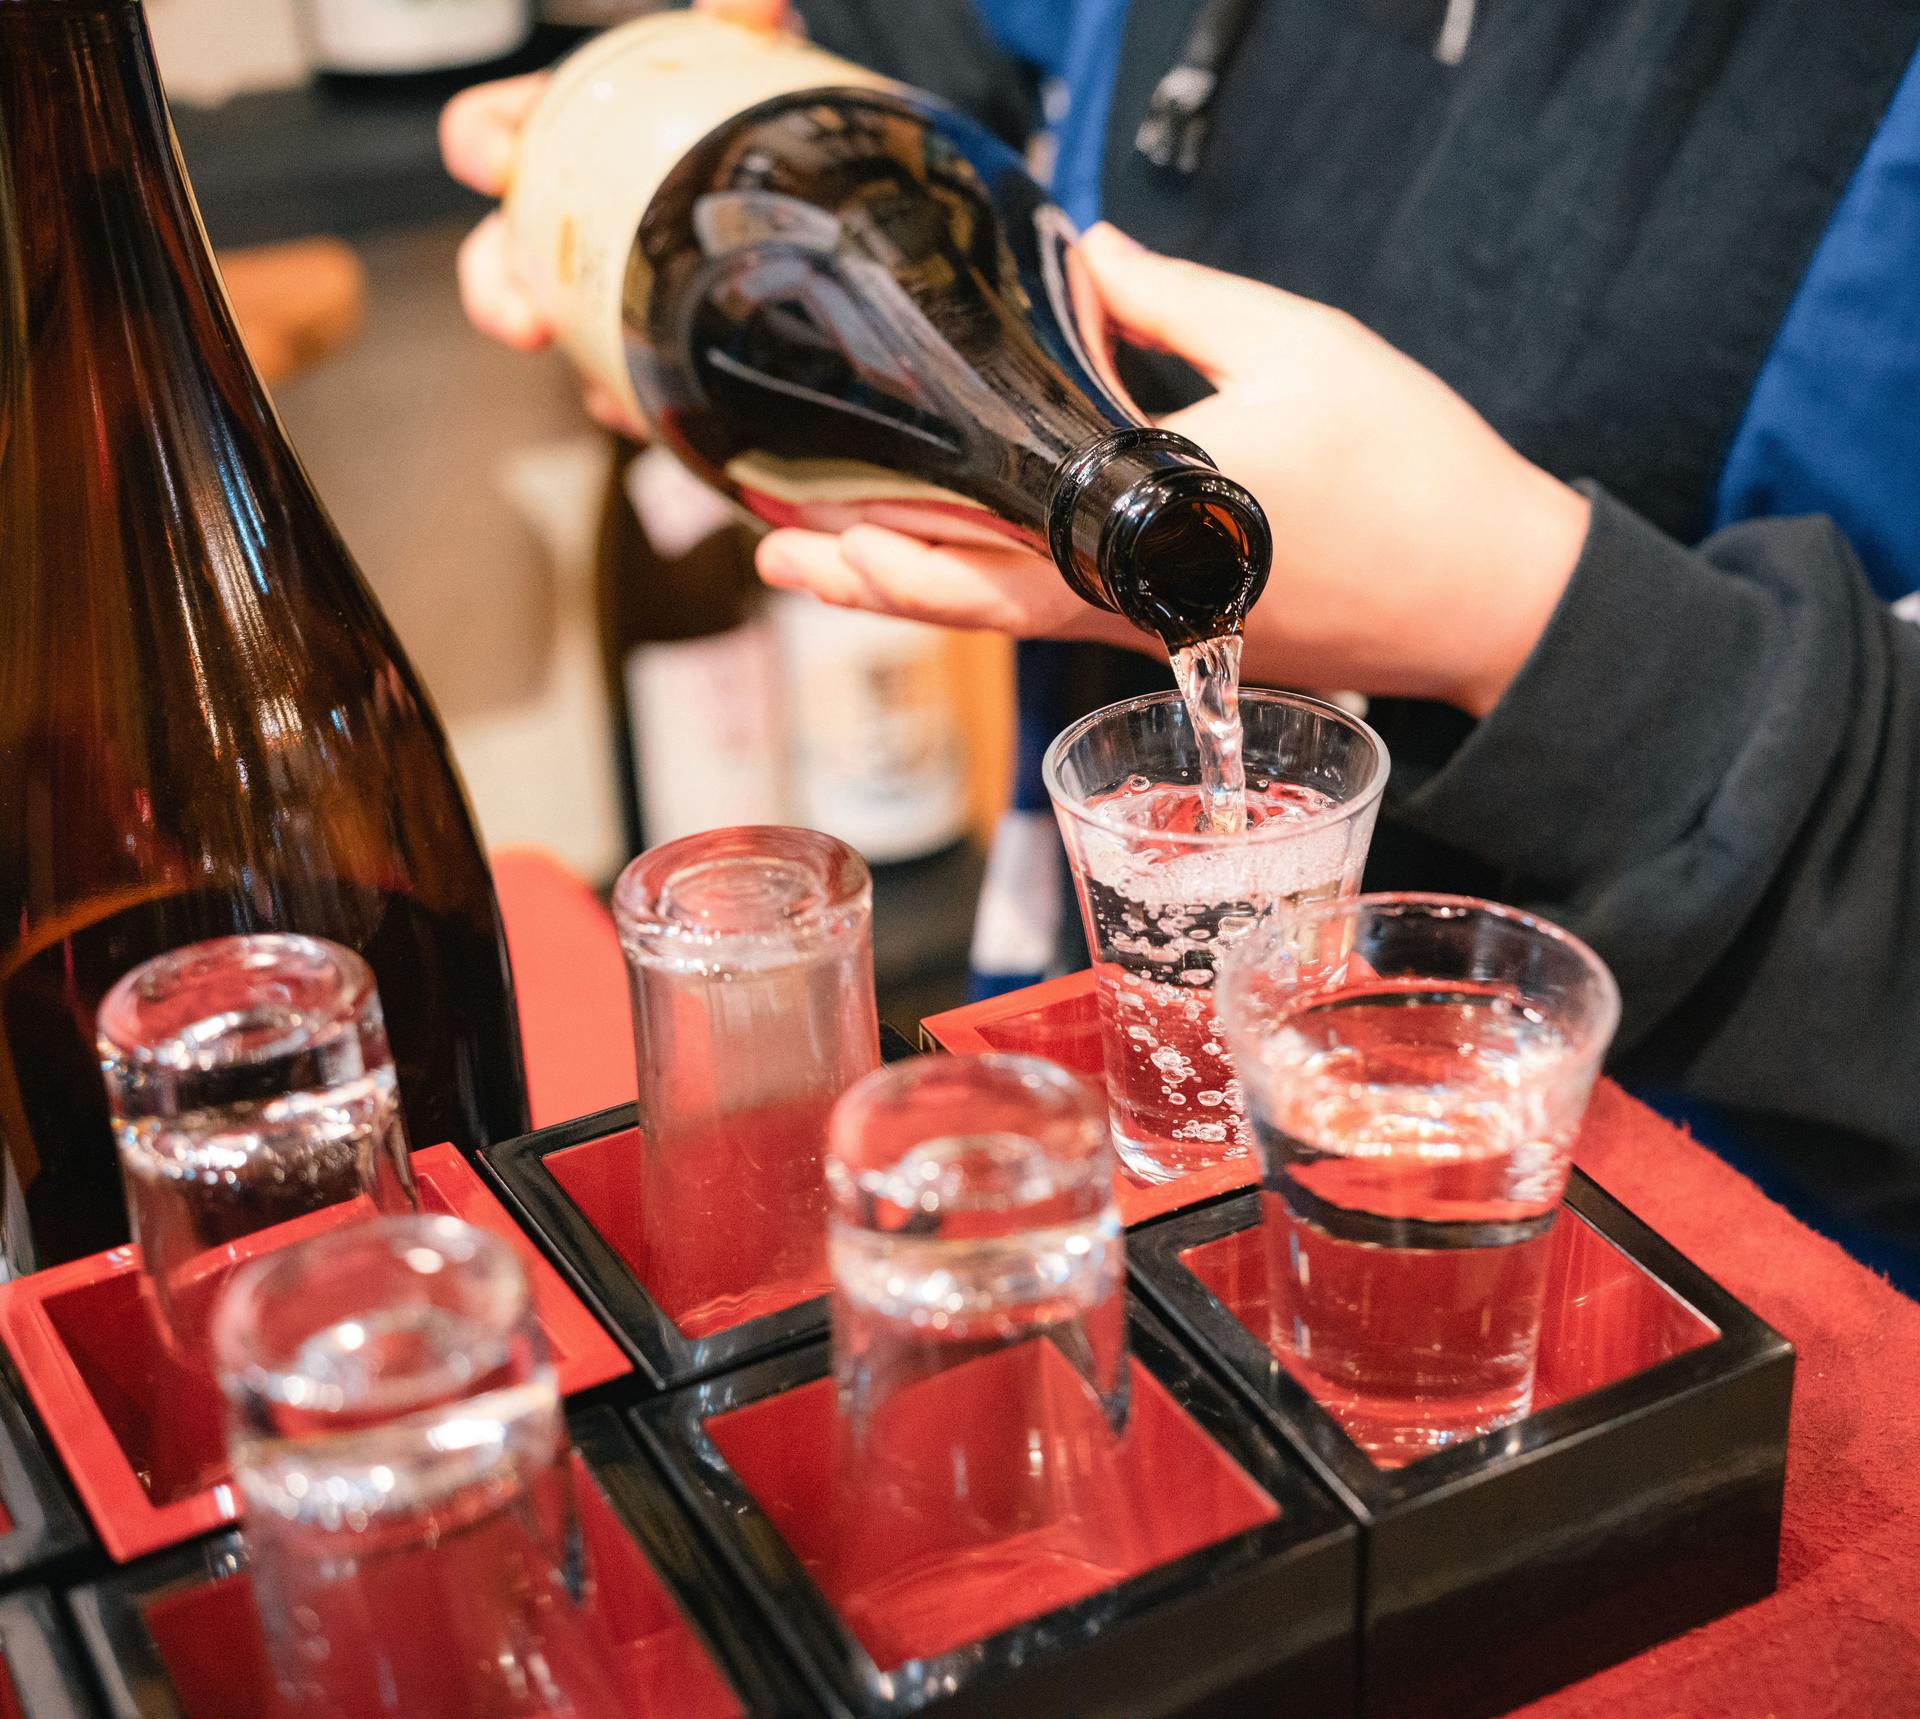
pixel 755 14
pixel 1215 321
pixel 490 294
pixel 1003 590
pixel 480 127
pixel 870 567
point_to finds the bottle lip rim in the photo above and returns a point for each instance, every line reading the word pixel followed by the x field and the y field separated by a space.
pixel 828 896
pixel 1069 804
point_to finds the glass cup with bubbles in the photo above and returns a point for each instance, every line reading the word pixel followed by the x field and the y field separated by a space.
pixel 1161 891
pixel 251 1085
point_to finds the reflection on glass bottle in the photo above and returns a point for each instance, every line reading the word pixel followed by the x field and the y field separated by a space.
pixel 206 725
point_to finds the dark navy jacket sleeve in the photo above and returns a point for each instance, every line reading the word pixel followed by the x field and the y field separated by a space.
pixel 1710 768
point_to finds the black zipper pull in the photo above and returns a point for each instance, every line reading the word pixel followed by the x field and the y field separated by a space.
pixel 1180 116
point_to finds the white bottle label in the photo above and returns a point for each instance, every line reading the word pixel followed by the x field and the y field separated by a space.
pixel 876 730
pixel 414 35
pixel 616 118
pixel 708 735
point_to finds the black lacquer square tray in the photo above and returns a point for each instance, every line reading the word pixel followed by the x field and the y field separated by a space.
pixel 1235 1594
pixel 175 1636
pixel 574 1187
pixel 1640 1498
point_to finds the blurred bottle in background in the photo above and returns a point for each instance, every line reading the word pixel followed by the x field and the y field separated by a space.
pixel 592 14
pixel 736 706
pixel 877 729
pixel 399 38
pixel 691 661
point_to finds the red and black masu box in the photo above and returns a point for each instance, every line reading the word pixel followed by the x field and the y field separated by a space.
pixel 177 1636
pixel 40 1675
pixel 1640 1497
pixel 1059 1020
pixel 142 1437
pixel 41 1532
pixel 1193 1565
pixel 577 1188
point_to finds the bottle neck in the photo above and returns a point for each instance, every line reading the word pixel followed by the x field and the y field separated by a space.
pixel 1141 522
pixel 107 284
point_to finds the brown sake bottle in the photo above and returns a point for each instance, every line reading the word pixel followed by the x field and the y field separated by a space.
pixel 206 724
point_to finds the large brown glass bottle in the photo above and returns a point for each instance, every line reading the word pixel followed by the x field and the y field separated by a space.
pixel 206 725
pixel 839 300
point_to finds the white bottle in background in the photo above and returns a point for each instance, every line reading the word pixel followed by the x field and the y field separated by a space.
pixel 879 759
pixel 708 724
pixel 388 37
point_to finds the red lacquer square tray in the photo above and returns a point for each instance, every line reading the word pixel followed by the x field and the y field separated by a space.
pixel 141 1436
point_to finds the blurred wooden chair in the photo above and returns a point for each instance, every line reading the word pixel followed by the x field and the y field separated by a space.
pixel 297 303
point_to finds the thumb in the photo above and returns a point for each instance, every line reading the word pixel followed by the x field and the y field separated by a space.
pixel 1214 321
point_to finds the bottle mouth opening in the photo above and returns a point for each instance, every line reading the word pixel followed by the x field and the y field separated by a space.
pixel 1188 553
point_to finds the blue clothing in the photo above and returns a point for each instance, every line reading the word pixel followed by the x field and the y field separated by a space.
pixel 1077 42
pixel 1833 425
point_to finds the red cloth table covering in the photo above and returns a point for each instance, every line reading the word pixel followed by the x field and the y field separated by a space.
pixel 1842 1635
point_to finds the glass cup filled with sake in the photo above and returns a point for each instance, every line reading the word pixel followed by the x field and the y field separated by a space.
pixel 1416 1067
pixel 1164 887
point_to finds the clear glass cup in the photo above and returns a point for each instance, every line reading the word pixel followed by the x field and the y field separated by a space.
pixel 396 1432
pixel 1160 893
pixel 750 962
pixel 979 1326
pixel 250 1083
pixel 1416 1067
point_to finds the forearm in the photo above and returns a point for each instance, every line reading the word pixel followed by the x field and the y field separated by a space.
pixel 1710 768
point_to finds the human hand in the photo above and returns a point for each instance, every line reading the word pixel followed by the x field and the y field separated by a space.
pixel 479 131
pixel 1415 552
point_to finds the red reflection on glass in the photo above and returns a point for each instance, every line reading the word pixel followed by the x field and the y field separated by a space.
pixel 209 1635
pixel 10 1707
pixel 756 1262
pixel 1060 1020
pixel 167 1418
pixel 914 1574
pixel 1605 1317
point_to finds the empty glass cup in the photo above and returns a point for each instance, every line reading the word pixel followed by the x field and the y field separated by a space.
pixel 1416 1067
pixel 396 1432
pixel 979 1324
pixel 250 1083
pixel 750 961
pixel 1161 892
